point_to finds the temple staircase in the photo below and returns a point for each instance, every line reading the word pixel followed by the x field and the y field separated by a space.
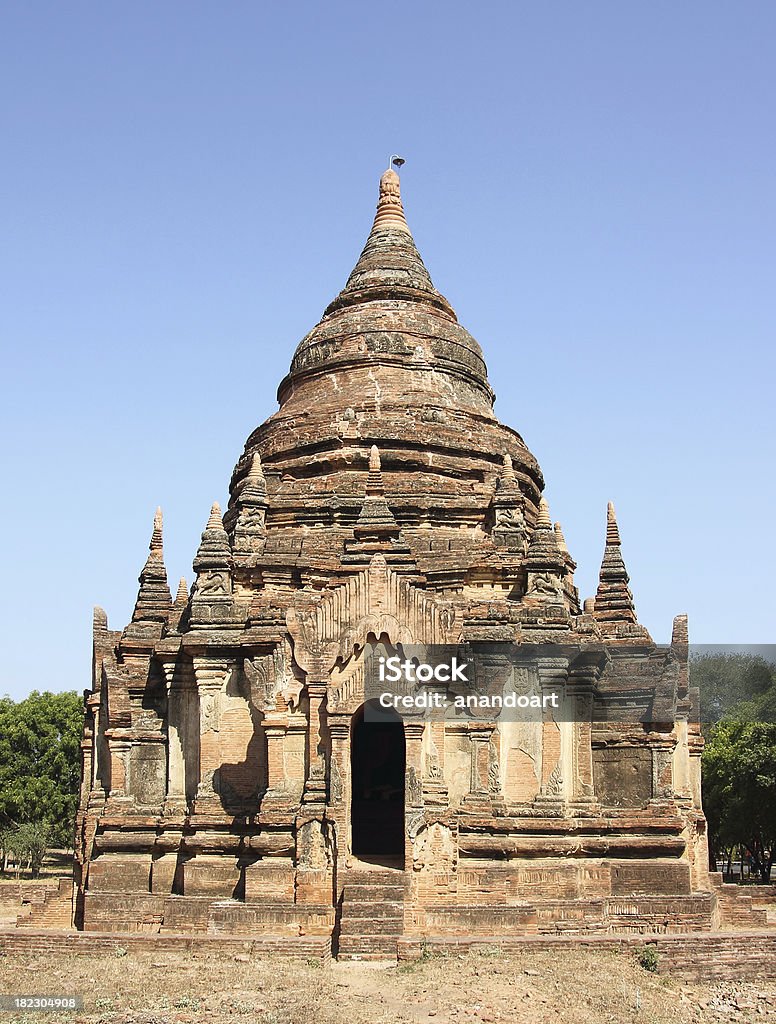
pixel 47 906
pixel 371 915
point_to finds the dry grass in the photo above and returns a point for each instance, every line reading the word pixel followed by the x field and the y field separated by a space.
pixel 564 988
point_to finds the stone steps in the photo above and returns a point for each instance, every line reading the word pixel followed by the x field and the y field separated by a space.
pixel 371 926
pixel 376 910
pixel 53 909
pixel 371 916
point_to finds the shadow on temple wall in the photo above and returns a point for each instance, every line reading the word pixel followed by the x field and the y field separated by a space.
pixel 241 785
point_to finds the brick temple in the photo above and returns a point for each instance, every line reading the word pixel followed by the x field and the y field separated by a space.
pixel 233 782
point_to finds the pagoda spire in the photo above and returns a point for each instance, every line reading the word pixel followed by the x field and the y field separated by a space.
pixel 154 600
pixel 613 599
pixel 390 266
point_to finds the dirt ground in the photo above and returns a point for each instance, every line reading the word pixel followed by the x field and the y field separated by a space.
pixel 532 987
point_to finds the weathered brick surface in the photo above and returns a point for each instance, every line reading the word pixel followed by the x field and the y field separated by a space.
pixel 704 957
pixel 54 942
pixel 384 502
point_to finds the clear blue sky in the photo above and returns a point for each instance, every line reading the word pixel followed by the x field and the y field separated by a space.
pixel 185 186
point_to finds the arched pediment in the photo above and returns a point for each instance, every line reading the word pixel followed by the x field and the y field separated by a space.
pixel 334 624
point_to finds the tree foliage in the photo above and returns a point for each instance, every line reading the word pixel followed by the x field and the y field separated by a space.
pixel 739 786
pixel 40 763
pixel 735 685
pixel 25 845
pixel 738 709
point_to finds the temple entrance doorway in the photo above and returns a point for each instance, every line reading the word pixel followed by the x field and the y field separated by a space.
pixel 377 765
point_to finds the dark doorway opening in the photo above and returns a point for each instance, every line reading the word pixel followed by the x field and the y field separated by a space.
pixel 377 758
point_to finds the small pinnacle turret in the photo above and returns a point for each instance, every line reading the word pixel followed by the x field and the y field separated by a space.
pixel 255 489
pixel 506 482
pixel 508 510
pixel 376 529
pixel 543 551
pixel 376 517
pixel 613 599
pixel 214 551
pixel 250 510
pixel 213 566
pixel 153 599
pixel 563 547
pixel 156 544
pixel 215 521
pixel 179 605
pixel 182 595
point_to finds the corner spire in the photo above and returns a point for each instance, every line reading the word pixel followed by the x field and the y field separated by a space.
pixel 612 529
pixel 179 606
pixel 613 599
pixel 508 510
pixel 153 598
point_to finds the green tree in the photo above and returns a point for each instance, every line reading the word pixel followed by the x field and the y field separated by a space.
pixel 739 789
pixel 734 684
pixel 40 763
pixel 26 845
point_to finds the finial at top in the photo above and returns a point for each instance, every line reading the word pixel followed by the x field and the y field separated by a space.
pixel 561 539
pixel 612 530
pixel 156 536
pixel 543 521
pixel 215 522
pixel 255 472
pixel 374 459
pixel 390 212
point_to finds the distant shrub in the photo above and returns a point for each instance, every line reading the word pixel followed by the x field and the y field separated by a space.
pixel 648 958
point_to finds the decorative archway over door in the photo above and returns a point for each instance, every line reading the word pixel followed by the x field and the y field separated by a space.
pixel 377 762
